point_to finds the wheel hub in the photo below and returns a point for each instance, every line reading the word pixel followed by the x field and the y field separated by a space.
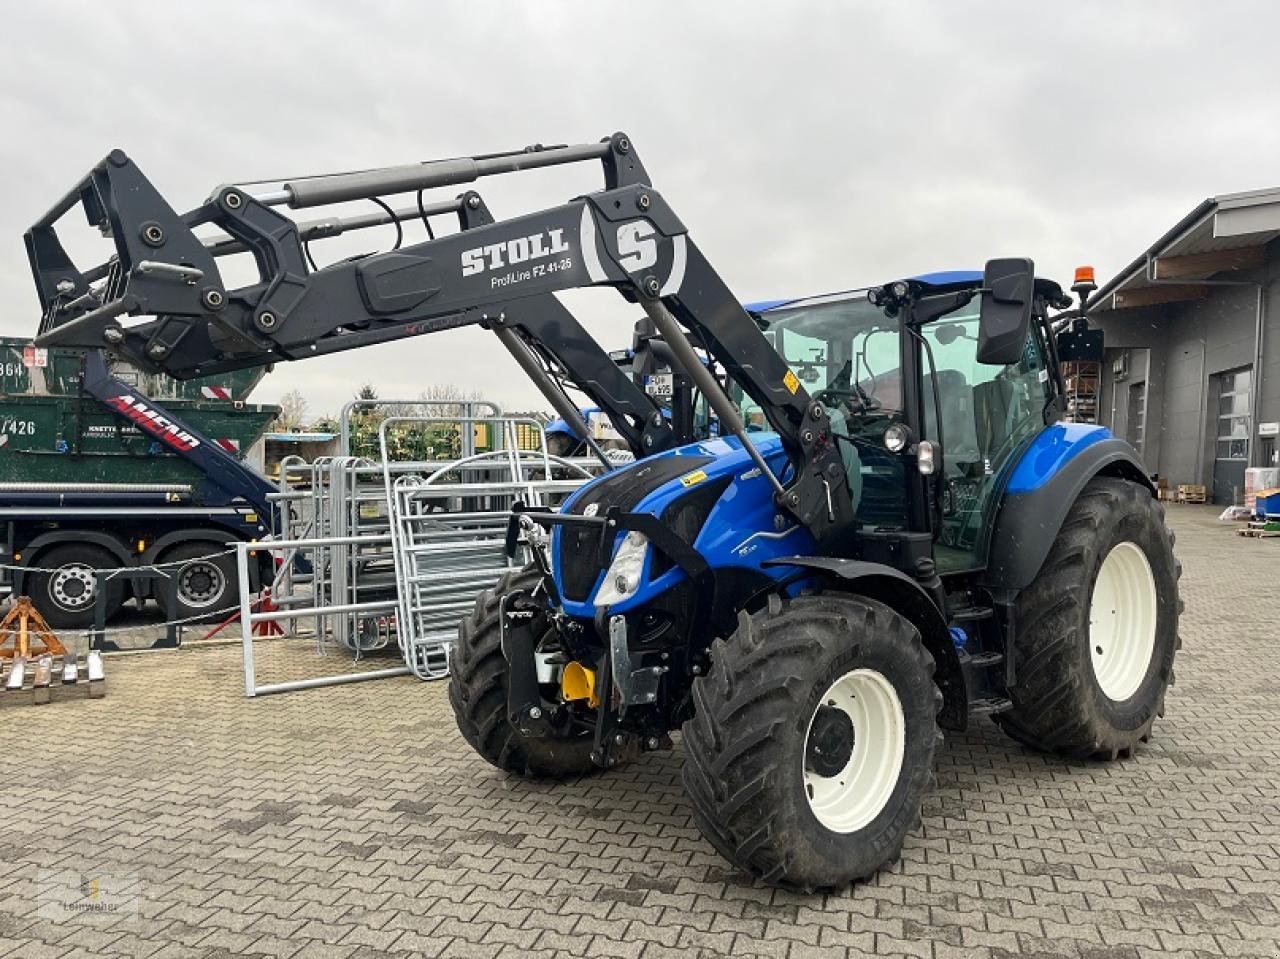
pixel 72 587
pixel 830 742
pixel 201 584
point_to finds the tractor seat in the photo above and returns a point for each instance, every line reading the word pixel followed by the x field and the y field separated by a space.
pixel 959 427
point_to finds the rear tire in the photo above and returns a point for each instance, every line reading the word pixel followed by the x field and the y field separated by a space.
pixel 789 779
pixel 1098 628
pixel 478 693
pixel 66 597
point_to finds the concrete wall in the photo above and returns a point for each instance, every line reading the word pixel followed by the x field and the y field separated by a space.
pixel 1187 343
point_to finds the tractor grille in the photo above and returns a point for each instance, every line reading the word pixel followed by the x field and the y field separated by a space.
pixel 578 567
pixel 579 564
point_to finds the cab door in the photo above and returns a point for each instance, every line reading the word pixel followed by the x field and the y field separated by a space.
pixel 986 412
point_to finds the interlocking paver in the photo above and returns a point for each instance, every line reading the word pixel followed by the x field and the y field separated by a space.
pixel 353 822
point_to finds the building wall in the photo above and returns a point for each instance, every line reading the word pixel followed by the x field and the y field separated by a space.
pixel 1185 345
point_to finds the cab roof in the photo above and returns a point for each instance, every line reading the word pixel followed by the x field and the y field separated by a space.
pixel 941 280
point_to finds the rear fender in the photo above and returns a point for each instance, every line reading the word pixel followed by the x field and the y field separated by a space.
pixel 31 552
pixel 906 597
pixel 216 536
pixel 1033 507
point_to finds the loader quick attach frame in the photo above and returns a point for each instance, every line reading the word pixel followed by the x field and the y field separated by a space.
pixel 497 274
pixel 546 340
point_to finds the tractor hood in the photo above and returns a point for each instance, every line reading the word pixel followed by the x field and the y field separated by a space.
pixel 710 493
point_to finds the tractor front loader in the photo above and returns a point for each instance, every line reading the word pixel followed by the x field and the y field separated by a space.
pixel 162 269
pixel 906 536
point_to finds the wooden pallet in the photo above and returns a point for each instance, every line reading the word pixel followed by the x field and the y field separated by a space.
pixel 1192 493
pixel 1260 529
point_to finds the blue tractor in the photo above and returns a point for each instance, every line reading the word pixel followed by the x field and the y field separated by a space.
pixel 991 559
pixel 894 532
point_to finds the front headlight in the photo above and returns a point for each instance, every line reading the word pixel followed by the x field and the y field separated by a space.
pixel 622 579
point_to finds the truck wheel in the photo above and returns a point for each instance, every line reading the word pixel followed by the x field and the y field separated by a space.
pixel 812 741
pixel 1098 628
pixel 66 595
pixel 207 586
pixel 478 694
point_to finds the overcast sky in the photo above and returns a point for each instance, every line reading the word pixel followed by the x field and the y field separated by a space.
pixel 808 147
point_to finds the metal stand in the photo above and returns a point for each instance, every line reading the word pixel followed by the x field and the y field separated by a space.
pixel 98 636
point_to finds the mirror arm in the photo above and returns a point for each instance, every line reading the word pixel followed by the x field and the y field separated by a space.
pixel 929 308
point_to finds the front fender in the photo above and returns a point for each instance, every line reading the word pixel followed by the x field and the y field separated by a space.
pixel 908 598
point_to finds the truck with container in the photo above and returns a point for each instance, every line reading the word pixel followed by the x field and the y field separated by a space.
pixel 104 466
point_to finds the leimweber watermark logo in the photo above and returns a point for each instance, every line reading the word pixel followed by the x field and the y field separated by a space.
pixel 101 896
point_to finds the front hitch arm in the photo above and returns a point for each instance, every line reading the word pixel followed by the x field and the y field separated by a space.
pixel 525 706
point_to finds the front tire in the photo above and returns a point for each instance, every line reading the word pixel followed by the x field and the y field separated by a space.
pixel 478 693
pixel 812 741
pixel 1097 628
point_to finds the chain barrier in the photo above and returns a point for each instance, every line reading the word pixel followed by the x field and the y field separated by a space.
pixel 184 621
pixel 174 562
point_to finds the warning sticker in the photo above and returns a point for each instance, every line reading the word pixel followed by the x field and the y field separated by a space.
pixel 694 478
pixel 791 383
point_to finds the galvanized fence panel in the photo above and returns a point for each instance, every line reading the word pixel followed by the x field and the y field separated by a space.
pixel 448 530
pixel 398 550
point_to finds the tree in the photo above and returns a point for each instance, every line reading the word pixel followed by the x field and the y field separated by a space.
pixel 293 409
pixel 445 399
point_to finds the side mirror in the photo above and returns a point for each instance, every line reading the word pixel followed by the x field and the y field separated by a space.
pixel 1005 315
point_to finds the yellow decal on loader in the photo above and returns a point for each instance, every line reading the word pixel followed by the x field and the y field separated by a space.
pixel 791 383
pixel 694 478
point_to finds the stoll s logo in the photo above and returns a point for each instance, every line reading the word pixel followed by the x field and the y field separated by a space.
pixel 495 256
pixel 153 422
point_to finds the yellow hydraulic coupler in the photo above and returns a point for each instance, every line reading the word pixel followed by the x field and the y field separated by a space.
pixel 579 682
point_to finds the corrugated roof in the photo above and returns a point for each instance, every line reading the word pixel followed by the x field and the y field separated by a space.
pixel 1232 221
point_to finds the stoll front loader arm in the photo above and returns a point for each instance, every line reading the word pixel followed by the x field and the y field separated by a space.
pixel 498 274
pixel 160 268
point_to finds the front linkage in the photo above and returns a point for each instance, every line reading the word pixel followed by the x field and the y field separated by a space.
pixel 637 697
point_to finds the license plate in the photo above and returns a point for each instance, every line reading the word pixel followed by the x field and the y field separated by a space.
pixel 660 385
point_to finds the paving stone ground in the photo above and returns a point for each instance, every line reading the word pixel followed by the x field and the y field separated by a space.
pixel 354 822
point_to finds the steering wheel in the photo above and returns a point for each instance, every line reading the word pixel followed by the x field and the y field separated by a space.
pixel 854 400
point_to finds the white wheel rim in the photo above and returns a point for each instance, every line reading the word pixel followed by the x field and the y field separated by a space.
pixel 856 795
pixel 1122 621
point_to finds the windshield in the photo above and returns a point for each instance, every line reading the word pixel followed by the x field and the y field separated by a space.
pixel 841 347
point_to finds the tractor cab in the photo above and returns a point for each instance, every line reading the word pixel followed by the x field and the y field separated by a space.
pixel 926 427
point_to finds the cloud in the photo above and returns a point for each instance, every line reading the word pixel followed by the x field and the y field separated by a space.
pixel 808 146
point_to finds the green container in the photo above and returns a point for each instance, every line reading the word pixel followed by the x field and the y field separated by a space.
pixel 26 371
pixel 51 434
